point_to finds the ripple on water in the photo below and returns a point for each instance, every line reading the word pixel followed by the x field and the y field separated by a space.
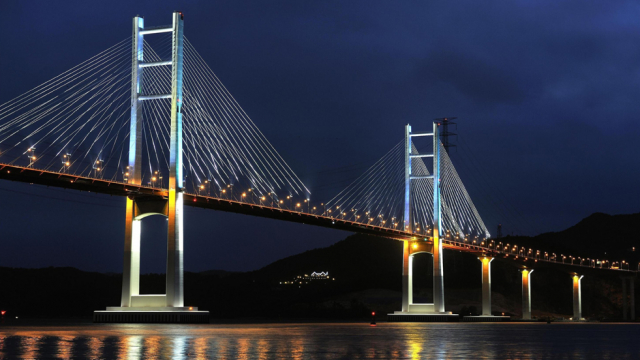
pixel 323 341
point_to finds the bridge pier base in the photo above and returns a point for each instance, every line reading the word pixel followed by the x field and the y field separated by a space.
pixel 486 285
pixel 526 293
pixel 412 312
pixel 628 301
pixel 156 308
pixel 486 294
pixel 577 297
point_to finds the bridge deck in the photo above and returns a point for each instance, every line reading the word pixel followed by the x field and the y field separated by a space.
pixel 116 188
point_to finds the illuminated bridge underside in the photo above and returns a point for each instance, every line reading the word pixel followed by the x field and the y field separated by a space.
pixel 48 178
pixel 55 179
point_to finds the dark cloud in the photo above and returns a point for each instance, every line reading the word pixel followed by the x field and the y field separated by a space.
pixel 474 78
pixel 545 92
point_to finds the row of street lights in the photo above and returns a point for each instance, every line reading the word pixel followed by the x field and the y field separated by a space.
pixel 251 196
pixel 528 253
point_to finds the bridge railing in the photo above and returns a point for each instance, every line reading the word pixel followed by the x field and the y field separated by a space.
pixel 521 252
pixel 306 207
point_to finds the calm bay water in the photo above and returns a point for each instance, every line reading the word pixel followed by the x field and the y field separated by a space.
pixel 323 341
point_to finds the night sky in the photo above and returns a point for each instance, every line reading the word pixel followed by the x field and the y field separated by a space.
pixel 546 94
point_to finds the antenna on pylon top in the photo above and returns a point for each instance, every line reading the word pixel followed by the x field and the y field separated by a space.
pixel 445 133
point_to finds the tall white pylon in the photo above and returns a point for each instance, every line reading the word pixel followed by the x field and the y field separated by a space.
pixel 172 208
pixel 416 246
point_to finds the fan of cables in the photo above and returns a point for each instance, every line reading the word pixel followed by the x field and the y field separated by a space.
pixel 78 123
pixel 377 197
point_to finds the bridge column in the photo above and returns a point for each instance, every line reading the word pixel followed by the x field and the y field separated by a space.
pixel 577 297
pixel 407 271
pixel 486 285
pixel 407 278
pixel 411 311
pixel 632 294
pixel 175 238
pixel 628 300
pixel 131 271
pixel 624 298
pixel 131 266
pixel 438 268
pixel 526 293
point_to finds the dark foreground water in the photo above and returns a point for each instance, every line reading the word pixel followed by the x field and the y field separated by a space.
pixel 323 341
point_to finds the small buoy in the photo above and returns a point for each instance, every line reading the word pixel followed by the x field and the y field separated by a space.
pixel 373 318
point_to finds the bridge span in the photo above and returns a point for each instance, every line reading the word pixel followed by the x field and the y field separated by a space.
pixel 118 122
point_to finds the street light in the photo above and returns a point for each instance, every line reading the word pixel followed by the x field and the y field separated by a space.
pixel 156 178
pixel 31 155
pixel 97 167
pixel 66 162
pixel 204 187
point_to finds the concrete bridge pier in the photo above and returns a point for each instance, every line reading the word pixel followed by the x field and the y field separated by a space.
pixel 628 301
pixel 486 293
pixel 577 297
pixel 486 285
pixel 633 299
pixel 526 293
pixel 415 312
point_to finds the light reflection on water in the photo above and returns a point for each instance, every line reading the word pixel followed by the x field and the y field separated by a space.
pixel 322 341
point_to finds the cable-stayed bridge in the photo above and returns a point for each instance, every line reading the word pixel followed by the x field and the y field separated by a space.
pixel 147 119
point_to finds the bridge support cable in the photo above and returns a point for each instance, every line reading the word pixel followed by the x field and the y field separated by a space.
pixel 80 123
pixel 218 131
pixel 75 123
pixel 375 198
pixel 492 194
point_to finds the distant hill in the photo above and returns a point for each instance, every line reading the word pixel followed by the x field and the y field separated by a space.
pixel 598 233
pixel 601 236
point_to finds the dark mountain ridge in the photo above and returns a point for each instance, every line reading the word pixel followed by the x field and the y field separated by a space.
pixel 598 236
pixel 368 276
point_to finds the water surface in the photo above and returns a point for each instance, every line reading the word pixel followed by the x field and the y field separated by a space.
pixel 323 341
